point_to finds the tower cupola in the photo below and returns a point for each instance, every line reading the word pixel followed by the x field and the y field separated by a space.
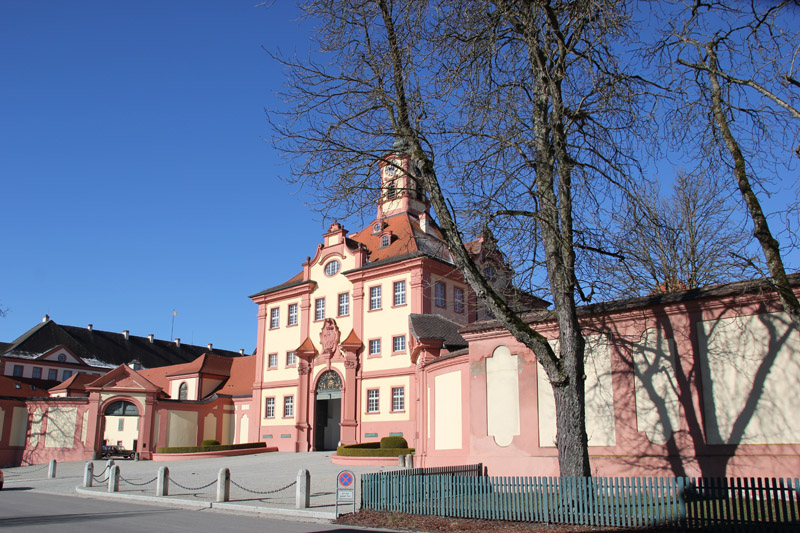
pixel 401 192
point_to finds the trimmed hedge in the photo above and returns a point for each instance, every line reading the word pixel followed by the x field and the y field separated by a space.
pixel 212 442
pixel 394 442
pixel 371 449
pixel 213 448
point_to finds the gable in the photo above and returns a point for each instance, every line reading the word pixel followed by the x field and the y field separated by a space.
pixel 123 378
pixel 61 354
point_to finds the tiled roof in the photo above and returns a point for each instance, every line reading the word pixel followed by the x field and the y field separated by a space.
pixel 241 381
pixel 112 349
pixel 715 291
pixel 75 382
pixel 238 370
pixel 437 327
pixel 23 388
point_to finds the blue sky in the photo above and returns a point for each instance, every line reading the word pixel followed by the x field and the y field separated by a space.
pixel 133 171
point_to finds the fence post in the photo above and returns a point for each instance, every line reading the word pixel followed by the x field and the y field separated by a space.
pixel 409 461
pixel 401 461
pixel 162 484
pixel 51 470
pixel 224 485
pixel 682 501
pixel 113 479
pixel 303 490
pixel 88 474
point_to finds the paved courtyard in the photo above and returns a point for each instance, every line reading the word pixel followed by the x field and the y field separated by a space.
pixel 259 483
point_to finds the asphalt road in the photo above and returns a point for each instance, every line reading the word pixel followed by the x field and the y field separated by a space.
pixel 25 510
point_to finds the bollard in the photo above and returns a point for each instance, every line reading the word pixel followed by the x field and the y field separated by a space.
pixel 113 479
pixel 224 485
pixel 162 485
pixel 303 490
pixel 88 474
pixel 51 470
pixel 401 461
pixel 109 464
pixel 409 461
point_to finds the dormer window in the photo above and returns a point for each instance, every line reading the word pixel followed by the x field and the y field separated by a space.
pixel 183 391
pixel 376 227
pixel 386 241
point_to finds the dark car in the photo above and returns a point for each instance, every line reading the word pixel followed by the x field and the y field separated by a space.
pixel 116 451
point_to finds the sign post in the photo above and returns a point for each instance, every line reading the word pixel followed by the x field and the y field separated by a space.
pixel 345 490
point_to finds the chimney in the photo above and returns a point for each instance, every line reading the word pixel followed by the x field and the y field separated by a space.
pixel 210 347
pixel 423 222
pixel 241 351
pixel 178 342
pixel 150 338
pixel 125 333
pixel 90 326
pixel 45 318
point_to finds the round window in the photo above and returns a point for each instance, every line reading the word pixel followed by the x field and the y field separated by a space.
pixel 62 358
pixel 332 268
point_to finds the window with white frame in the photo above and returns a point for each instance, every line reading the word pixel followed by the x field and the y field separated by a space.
pixel 292 315
pixel 52 374
pixel 270 408
pixel 375 347
pixel 291 360
pixel 399 343
pixel 272 361
pixel 37 372
pixel 18 371
pixel 319 309
pixel 288 406
pixel 440 293
pixel 274 318
pixel 399 293
pixel 373 401
pixel 183 391
pixel 66 375
pixel 374 298
pixel 458 299
pixel 332 268
pixel 398 399
pixel 344 304
pixel 386 240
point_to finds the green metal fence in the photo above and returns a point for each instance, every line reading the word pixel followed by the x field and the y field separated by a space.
pixel 627 502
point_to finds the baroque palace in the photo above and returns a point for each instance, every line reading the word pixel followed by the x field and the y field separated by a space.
pixel 379 335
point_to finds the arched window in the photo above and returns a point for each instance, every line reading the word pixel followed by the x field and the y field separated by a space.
pixel 183 391
pixel 122 408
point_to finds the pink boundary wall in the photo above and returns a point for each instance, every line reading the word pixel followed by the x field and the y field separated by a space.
pixel 686 453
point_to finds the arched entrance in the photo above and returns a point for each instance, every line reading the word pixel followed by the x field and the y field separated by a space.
pixel 121 425
pixel 328 411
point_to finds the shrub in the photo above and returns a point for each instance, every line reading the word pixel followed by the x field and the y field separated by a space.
pixel 212 442
pixel 372 449
pixel 219 447
pixel 394 442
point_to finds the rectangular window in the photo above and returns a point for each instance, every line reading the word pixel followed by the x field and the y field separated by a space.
pixel 274 318
pixel 373 401
pixel 288 406
pixel 52 374
pixel 37 372
pixel 399 344
pixel 17 371
pixel 398 399
pixel 344 304
pixel 374 298
pixel 290 359
pixel 399 293
pixel 319 309
pixel 458 299
pixel 375 347
pixel 121 424
pixel 270 408
pixel 272 362
pixel 441 294
pixel 66 375
pixel 292 315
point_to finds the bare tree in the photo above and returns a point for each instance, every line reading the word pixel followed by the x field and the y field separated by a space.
pixel 740 89
pixel 689 240
pixel 523 102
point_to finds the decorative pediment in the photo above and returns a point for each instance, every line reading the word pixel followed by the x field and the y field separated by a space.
pixel 123 378
pixel 61 354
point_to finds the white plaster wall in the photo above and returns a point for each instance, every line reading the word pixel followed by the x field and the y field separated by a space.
pixel 244 424
pixel 502 396
pixel 61 422
pixel 85 428
pixel 19 427
pixel 227 428
pixel 35 428
pixel 657 404
pixel 210 427
pixel 447 429
pixel 599 396
pixel 385 385
pixel 182 428
pixel 191 388
pixel 751 375
pixel 129 433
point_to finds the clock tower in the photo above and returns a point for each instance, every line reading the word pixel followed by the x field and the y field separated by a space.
pixel 401 192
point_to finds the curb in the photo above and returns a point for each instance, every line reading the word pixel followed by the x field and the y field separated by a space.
pixel 298 515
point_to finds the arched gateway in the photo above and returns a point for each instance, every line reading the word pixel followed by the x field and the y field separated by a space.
pixel 328 411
